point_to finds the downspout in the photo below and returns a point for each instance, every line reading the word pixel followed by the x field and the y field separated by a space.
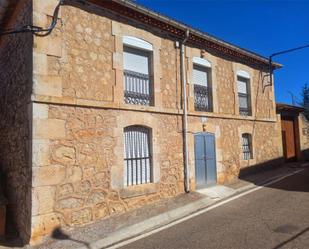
pixel 185 115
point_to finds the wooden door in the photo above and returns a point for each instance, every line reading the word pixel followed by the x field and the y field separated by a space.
pixel 288 139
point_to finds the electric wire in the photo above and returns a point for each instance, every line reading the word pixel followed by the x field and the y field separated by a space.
pixel 38 31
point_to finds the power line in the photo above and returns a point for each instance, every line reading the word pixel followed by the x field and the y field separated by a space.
pixel 279 53
pixel 38 31
pixel 293 97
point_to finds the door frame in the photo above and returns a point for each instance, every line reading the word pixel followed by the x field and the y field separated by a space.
pixel 215 160
pixel 296 138
pixel 290 112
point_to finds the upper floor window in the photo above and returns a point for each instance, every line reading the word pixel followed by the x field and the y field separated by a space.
pixel 137 155
pixel 138 83
pixel 202 85
pixel 247 146
pixel 244 97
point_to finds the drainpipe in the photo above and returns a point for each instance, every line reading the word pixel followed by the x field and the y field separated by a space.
pixel 185 115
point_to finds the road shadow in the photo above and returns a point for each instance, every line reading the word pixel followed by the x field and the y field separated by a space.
pixel 260 174
pixel 292 238
pixel 11 242
pixel 59 234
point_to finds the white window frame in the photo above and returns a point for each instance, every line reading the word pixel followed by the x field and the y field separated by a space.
pixel 246 76
pixel 137 43
pixel 138 87
pixel 201 61
pixel 203 100
pixel 243 74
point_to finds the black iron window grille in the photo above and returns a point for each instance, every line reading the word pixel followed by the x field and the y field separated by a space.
pixel 244 104
pixel 137 156
pixel 138 88
pixel 247 146
pixel 202 98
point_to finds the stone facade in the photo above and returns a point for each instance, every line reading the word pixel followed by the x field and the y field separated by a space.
pixel 72 181
pixel 266 139
pixel 79 115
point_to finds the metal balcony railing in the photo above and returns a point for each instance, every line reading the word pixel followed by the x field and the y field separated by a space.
pixel 244 104
pixel 138 88
pixel 202 98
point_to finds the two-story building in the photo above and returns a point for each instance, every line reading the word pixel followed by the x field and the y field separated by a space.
pixel 120 107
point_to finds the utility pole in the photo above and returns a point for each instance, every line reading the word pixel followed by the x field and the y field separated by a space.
pixel 292 97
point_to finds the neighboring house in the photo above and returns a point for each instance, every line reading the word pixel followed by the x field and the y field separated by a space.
pixel 304 136
pixel 92 116
pixel 295 132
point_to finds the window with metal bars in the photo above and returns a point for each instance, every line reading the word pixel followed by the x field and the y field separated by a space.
pixel 137 155
pixel 138 87
pixel 244 97
pixel 247 146
pixel 202 89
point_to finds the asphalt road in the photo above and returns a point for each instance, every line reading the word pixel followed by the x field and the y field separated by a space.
pixel 273 217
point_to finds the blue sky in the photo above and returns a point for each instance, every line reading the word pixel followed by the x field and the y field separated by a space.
pixel 264 27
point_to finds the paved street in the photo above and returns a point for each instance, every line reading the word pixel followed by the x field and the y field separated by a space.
pixel 274 217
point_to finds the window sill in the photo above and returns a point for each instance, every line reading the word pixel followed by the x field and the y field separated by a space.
pixel 138 190
pixel 203 111
pixel 249 162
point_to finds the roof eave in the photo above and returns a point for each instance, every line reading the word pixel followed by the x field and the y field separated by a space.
pixel 167 20
pixel 184 27
pixel 280 107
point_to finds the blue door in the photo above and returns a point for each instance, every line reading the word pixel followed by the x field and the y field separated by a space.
pixel 205 159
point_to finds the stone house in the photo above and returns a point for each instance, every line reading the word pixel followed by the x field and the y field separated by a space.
pixel 93 118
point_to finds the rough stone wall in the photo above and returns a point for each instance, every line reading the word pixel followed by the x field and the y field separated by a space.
pixel 87 70
pixel 15 92
pixel 170 75
pixel 78 64
pixel 266 137
pixel 74 152
pixel 171 156
pixel 263 96
pixel 225 86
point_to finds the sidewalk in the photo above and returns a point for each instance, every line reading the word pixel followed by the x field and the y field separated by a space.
pixel 114 230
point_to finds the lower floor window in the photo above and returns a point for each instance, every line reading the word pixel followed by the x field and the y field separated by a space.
pixel 247 146
pixel 137 155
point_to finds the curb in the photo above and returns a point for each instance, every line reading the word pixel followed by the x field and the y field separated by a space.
pixel 170 218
